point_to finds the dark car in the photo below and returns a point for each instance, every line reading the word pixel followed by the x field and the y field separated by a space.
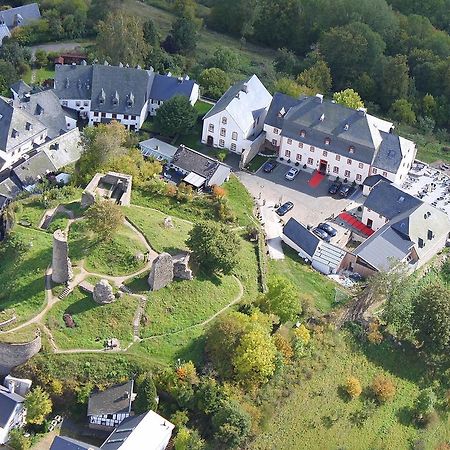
pixel 327 228
pixel 346 190
pixel 322 234
pixel 334 188
pixel 269 166
pixel 284 208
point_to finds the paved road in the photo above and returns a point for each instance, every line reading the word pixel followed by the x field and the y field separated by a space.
pixel 57 46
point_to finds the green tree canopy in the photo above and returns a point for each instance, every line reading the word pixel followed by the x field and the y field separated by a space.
pixel 151 34
pixel 402 111
pixel 146 398
pixel 225 59
pixel 176 115
pixel 215 246
pixel 182 37
pixel 39 406
pixel 214 82
pixel 349 98
pixel 188 439
pixel 104 218
pixel 317 77
pixel 290 87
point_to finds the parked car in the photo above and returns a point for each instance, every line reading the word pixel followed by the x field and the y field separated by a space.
pixel 284 208
pixel 322 234
pixel 291 174
pixel 334 188
pixel 269 166
pixel 328 229
pixel 346 190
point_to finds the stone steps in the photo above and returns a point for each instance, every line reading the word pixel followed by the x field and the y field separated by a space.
pixel 66 291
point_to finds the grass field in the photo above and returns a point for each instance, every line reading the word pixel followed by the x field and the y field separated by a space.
pixel 94 323
pixel 22 280
pixel 311 284
pixel 318 415
pixel 25 334
pixel 240 201
pixel 256 163
pixel 151 223
pixel 42 74
pixel 30 210
pixel 116 257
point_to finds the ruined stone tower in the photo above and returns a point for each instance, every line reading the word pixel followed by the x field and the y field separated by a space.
pixel 61 265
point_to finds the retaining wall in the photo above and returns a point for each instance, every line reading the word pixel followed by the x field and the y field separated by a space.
pixel 12 355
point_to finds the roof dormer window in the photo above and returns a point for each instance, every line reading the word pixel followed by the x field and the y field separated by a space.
pixel 115 99
pixel 327 141
pixel 28 126
pixel 102 97
pixel 130 100
pixel 224 120
pixel 14 133
pixel 302 133
pixel 351 149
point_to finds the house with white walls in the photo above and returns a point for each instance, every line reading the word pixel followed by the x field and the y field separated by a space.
pixel 237 119
pixel 12 412
pixel 101 93
pixel 319 134
pixel 15 17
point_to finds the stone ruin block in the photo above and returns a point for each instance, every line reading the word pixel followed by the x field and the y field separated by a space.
pixel 103 293
pixel 61 265
pixel 161 273
pixel 181 268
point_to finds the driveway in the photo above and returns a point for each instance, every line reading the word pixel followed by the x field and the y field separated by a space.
pixel 57 46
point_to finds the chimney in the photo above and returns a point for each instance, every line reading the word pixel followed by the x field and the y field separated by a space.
pixel 11 386
pixel 320 97
pixel 363 111
pixel 245 88
pixel 322 117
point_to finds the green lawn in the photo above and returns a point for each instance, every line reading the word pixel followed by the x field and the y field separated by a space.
pixel 30 210
pixel 311 284
pixel 42 74
pixel 23 281
pixel 116 257
pixel 151 224
pixel 240 201
pixel 94 323
pixel 256 163
pixel 26 334
pixel 59 221
pixel 316 413
pixel 202 108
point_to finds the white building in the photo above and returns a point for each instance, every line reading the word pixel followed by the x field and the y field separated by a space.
pixel 335 140
pixel 12 412
pixel 102 93
pixel 237 119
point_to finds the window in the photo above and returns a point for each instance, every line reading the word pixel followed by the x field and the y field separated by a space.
pixel 347 173
pixel 223 132
pixel 233 147
pixel 303 133
pixel 299 157
pixel 374 170
pixel 224 120
pixel 430 235
pixel 114 116
pixel 78 103
pixel 274 142
pixel 349 161
pixel 133 117
pixel 384 174
pixel 361 165
pixel 211 128
pixel 421 243
pixel 327 141
pixel 351 149
pixel 311 149
pixel 300 145
pixel 310 161
pixel 324 153
pixel 287 153
pixel 335 169
pixel 358 177
pixel 275 130
pixel 85 103
pixel 64 103
pixel 338 157
pixel 234 136
pixel 221 143
pixel 289 141
pixel 95 114
pixel 126 116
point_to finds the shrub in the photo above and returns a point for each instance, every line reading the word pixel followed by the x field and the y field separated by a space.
pixel 353 387
pixel 171 190
pixel 18 440
pixel 218 192
pixel 374 335
pixel 383 388
pixel 284 347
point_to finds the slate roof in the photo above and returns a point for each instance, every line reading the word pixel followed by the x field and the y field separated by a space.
pixel 389 155
pixel 9 184
pixel 192 161
pixel 158 146
pixel 27 13
pixel 244 101
pixel 3 201
pixel 21 88
pixel 165 87
pixel 301 236
pixel 390 201
pixel 280 102
pixel 73 82
pixel 115 400
pixel 67 443
pixel 372 180
pixel 33 169
pixel 8 403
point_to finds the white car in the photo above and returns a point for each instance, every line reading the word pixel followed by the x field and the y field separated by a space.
pixel 291 174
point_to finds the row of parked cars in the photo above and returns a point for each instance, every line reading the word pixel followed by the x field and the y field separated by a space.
pixel 325 231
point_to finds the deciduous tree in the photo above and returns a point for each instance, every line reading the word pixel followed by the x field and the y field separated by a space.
pixel 182 37
pixel 317 77
pixel 104 218
pixel 38 404
pixel 146 398
pixel 176 115
pixel 214 82
pixel 349 98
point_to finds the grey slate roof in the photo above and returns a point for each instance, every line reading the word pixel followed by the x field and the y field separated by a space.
pixel 122 432
pixel 192 161
pixel 165 87
pixel 73 82
pixel 372 180
pixel 279 101
pixel 389 155
pixel 301 236
pixel 21 88
pixel 9 184
pixel 33 169
pixel 3 201
pixel 390 201
pixel 114 400
pixel 27 13
pixel 8 403
pixel 67 443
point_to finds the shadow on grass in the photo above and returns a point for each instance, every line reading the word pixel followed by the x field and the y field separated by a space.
pixel 82 305
pixel 405 416
pixel 193 351
pixel 139 284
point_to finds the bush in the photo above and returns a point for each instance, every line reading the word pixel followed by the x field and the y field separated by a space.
pixel 374 335
pixel 353 387
pixel 383 388
pixel 18 440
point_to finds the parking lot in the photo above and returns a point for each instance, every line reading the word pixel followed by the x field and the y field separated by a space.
pixel 312 205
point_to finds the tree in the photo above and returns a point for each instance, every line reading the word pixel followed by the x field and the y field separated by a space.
pixel 104 218
pixel 284 347
pixel 431 318
pixel 317 77
pixel 282 299
pixel 353 387
pixel 383 388
pixel 254 360
pixel 8 76
pixel 286 62
pixel 349 98
pixel 210 396
pixel 231 424
pixel 402 111
pixel 188 439
pixel 214 246
pixel 176 115
pixel 233 16
pixel 18 440
pixel 146 398
pixel 38 405
pixel 40 58
pixel 290 87
pixel 151 34
pixel 393 79
pixel 214 82
pixel 182 37
pixel 121 38
pixel 425 402
pixel 225 59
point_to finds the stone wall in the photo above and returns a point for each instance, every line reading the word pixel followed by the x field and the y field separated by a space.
pixel 12 355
